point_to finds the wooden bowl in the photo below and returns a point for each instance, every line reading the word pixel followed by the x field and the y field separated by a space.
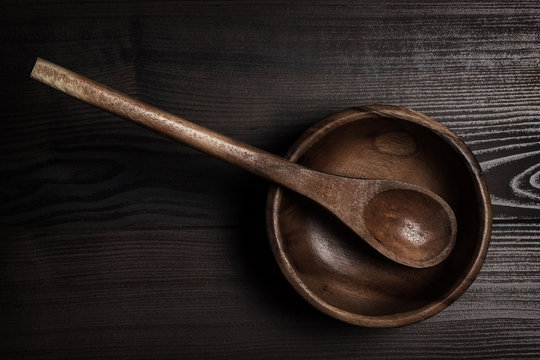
pixel 338 272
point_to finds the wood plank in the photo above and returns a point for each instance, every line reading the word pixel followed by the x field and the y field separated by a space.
pixel 244 74
pixel 196 292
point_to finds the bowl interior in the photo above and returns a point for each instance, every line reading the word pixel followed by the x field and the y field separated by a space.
pixel 337 271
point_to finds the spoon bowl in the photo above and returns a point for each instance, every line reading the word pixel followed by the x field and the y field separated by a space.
pixel 345 278
pixel 413 226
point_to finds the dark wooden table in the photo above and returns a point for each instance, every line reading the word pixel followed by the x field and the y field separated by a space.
pixel 118 243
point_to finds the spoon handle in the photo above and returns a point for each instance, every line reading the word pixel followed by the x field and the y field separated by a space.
pixel 247 157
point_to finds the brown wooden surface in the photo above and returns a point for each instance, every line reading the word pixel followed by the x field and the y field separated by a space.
pixel 119 243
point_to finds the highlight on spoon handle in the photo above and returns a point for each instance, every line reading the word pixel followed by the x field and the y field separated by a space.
pixel 245 156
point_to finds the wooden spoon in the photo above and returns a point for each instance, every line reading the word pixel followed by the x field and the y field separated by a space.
pixel 404 222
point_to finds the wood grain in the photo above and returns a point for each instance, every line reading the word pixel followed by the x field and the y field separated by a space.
pixel 178 292
pixel 83 192
pixel 166 66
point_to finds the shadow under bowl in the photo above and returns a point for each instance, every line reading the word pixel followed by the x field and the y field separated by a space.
pixel 338 272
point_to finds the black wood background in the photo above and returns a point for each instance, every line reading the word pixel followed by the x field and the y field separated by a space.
pixel 118 243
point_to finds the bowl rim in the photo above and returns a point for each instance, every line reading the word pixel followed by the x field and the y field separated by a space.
pixel 343 117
